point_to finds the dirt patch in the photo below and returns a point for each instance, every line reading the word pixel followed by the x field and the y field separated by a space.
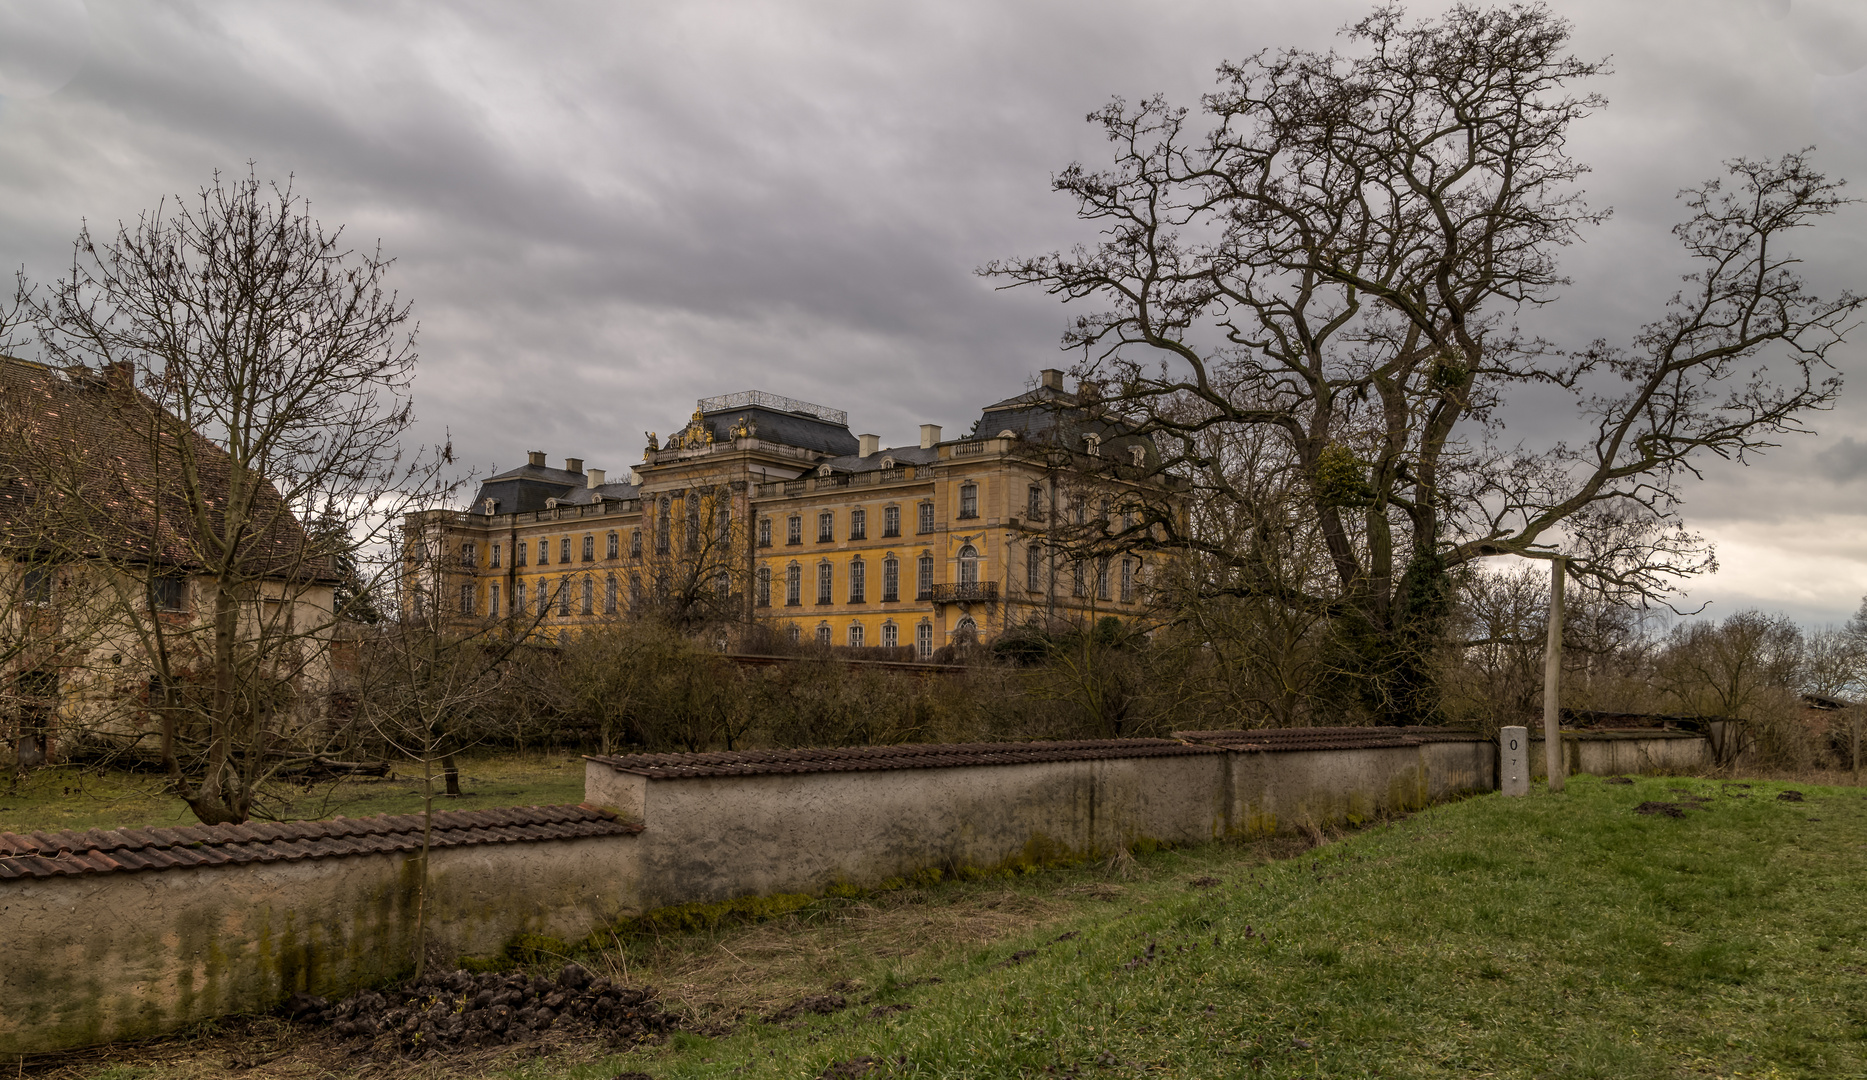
pixel 463 1010
pixel 1670 809
pixel 1204 882
pixel 816 1005
pixel 1789 796
pixel 1618 780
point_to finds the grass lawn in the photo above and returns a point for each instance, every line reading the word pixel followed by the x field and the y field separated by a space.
pixel 1553 936
pixel 68 797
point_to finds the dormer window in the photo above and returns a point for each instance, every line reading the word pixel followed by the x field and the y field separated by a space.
pixel 489 506
pixel 1139 454
pixel 823 469
pixel 1092 444
pixel 888 465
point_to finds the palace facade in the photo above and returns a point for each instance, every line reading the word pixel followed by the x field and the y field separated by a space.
pixel 765 508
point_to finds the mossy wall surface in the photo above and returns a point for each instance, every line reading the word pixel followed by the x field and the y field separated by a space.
pixel 103 957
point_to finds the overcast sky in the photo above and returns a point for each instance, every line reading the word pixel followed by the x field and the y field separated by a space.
pixel 604 211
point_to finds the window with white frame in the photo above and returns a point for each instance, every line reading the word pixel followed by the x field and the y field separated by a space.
pixel 1034 505
pixel 823 634
pixel 493 557
pixel 794 529
pixel 969 500
pixel 794 632
pixel 518 598
pixel 589 597
pixel 925 523
pixel 469 555
pixel 924 578
pixel 519 551
pixel 891 635
pixel 826 527
pixel 793 585
pixel 855 635
pixel 564 549
pixel 891 521
pixel 825 579
pixel 612 546
pixel 466 599
pixel 1034 568
pixel 858 580
pixel 609 595
pixel 923 639
pixel 1102 579
pixel 589 547
pixel 762 593
pixel 969 565
pixel 764 532
pixel 891 580
pixel 1127 581
pixel 858 524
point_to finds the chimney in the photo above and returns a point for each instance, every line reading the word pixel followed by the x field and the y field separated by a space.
pixel 930 434
pixel 573 464
pixel 535 457
pixel 635 478
pixel 595 477
pixel 870 444
pixel 1051 378
pixel 1088 391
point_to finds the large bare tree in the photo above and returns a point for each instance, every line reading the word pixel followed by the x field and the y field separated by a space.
pixel 1332 263
pixel 265 367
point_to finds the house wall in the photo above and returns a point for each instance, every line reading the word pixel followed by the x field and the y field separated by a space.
pixel 96 958
pixel 1613 753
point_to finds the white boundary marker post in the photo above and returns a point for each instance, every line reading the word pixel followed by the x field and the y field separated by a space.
pixel 1552 677
pixel 1513 759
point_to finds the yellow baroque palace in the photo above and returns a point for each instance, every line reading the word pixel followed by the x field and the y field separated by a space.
pixel 767 509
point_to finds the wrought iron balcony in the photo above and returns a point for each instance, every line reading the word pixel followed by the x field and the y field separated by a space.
pixel 966 592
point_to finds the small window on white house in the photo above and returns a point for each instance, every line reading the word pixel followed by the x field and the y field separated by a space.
pixel 169 593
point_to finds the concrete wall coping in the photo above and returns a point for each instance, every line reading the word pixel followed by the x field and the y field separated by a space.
pixel 880 758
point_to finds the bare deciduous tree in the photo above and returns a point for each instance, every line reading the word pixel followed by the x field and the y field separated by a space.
pixel 268 370
pixel 1334 264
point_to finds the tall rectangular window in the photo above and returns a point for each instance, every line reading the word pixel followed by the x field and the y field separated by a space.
pixel 858 581
pixel 520 550
pixel 170 592
pixel 544 552
pixel 764 532
pixel 1102 579
pixel 609 595
pixel 611 546
pixel 635 544
pixel 564 549
pixel 924 580
pixel 969 500
pixel 891 521
pixel 825 572
pixel 891 580
pixel 823 635
pixel 589 597
pixel 763 595
pixel 1078 582
pixel 469 555
pixel 466 599
pixel 794 529
pixel 1035 509
pixel 923 640
pixel 494 560
pixel 518 598
pixel 925 524
pixel 1034 568
pixel 855 635
pixel 1127 581
pixel 564 597
pixel 858 524
pixel 635 592
pixel 492 601
pixel 826 527
pixel 589 548
pixel 793 585
pixel 36 587
pixel 891 635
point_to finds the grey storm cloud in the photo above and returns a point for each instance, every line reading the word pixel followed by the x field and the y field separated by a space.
pixel 605 210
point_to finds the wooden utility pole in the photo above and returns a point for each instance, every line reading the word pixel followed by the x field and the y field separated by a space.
pixel 1552 677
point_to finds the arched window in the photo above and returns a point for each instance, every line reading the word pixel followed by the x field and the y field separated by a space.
pixel 823 634
pixel 967 632
pixel 969 565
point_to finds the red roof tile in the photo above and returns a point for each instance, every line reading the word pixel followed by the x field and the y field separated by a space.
pixel 877 758
pixel 41 854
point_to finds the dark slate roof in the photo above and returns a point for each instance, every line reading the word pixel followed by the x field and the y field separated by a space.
pixel 524 490
pixel 91 467
pixel 880 758
pixel 98 851
pixel 801 430
pixel 900 455
pixel 586 495
pixel 1274 740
